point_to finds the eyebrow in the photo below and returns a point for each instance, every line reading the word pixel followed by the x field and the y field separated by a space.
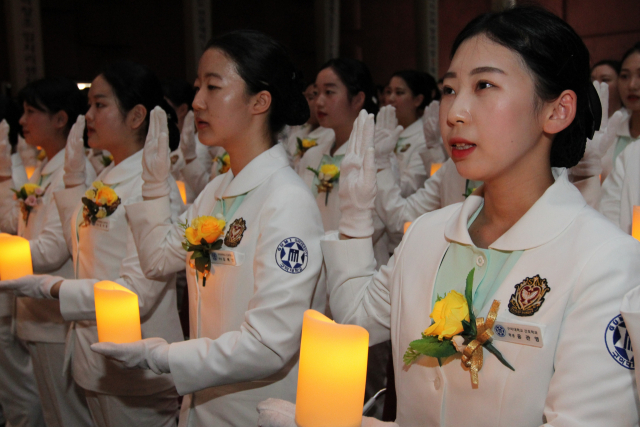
pixel 330 85
pixel 479 70
pixel 216 75
pixel 99 96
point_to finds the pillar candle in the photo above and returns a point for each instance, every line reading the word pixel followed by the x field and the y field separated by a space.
pixel 15 257
pixel 332 373
pixel 117 313
pixel 406 226
pixel 183 191
pixel 635 225
pixel 435 167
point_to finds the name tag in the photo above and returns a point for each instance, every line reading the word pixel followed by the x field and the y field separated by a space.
pixel 517 333
pixel 103 224
pixel 226 258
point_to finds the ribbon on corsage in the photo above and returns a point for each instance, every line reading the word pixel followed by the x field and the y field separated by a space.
pixel 29 196
pixel 455 329
pixel 202 237
pixel 99 202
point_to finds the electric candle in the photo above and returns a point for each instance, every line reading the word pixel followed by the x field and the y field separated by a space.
pixel 635 224
pixel 29 170
pixel 117 313
pixel 183 191
pixel 435 167
pixel 332 373
pixel 406 226
pixel 15 257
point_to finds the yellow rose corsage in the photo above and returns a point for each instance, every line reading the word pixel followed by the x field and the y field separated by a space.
pixel 202 237
pixel 100 201
pixel 328 175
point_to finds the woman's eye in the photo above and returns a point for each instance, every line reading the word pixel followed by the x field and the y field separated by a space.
pixel 448 91
pixel 484 85
pixel 212 87
pixel 623 76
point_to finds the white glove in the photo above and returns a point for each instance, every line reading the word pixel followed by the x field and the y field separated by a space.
pixel 357 185
pixel 149 353
pixel 5 150
pixel 603 94
pixel 35 286
pixel 431 124
pixel 386 137
pixel 74 157
pixel 188 138
pixel 156 164
pixel 591 162
pixel 280 413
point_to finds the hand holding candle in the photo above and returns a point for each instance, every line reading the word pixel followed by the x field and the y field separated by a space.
pixel 15 257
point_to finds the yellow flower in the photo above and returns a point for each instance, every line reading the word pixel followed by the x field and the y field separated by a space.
pixel 448 314
pixel 308 143
pixel 106 196
pixel 42 154
pixel 90 194
pixel 98 185
pixel 204 227
pixel 102 213
pixel 30 188
pixel 329 171
pixel 226 159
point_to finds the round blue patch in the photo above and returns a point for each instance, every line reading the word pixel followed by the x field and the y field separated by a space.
pixel 292 255
pixel 500 331
pixel 618 342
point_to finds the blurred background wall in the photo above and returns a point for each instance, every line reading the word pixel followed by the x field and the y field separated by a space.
pixel 79 37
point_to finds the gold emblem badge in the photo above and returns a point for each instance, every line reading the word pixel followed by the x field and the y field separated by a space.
pixel 235 233
pixel 529 296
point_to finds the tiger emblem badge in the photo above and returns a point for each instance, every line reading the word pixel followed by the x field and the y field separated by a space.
pixel 528 296
pixel 235 233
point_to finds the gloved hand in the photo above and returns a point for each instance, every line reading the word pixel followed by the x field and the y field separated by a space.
pixel 280 413
pixel 74 157
pixel 5 150
pixel 357 185
pixel 386 137
pixel 603 94
pixel 156 164
pixel 35 286
pixel 149 353
pixel 431 124
pixel 188 138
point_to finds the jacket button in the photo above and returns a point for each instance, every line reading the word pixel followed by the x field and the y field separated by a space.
pixel 437 383
pixel 480 261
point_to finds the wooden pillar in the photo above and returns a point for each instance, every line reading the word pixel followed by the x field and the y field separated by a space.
pixel 197 16
pixel 25 42
pixel 427 33
pixel 327 19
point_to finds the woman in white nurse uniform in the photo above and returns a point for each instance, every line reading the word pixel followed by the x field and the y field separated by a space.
pixel 120 102
pixel 51 106
pixel 516 102
pixel 246 318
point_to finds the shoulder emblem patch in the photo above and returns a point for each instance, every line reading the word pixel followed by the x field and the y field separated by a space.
pixel 528 296
pixel 235 233
pixel 292 255
pixel 618 342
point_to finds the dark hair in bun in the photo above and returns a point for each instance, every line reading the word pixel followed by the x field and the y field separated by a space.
pixel 355 75
pixel 134 84
pixel 558 61
pixel 264 64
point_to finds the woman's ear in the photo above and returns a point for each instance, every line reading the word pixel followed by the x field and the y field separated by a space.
pixel 560 113
pixel 60 119
pixel 260 102
pixel 357 102
pixel 136 116
pixel 417 100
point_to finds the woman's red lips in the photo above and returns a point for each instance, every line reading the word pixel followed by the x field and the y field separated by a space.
pixel 633 98
pixel 321 114
pixel 461 148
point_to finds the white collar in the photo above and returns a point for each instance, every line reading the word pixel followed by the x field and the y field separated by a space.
pixel 253 174
pixel 54 164
pixel 126 169
pixel 413 129
pixel 546 219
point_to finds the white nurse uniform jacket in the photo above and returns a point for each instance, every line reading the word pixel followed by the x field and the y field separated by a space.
pixel 621 189
pixel 581 376
pixel 246 320
pixel 106 251
pixel 410 165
